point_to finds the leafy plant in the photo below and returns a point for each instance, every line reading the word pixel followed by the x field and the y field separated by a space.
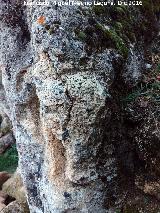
pixel 151 90
pixel 82 36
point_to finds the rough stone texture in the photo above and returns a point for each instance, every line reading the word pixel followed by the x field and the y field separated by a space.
pixel 58 97
pixel 6 135
pixel 72 102
pixel 5 124
pixel 3 197
pixel 2 206
pixel 14 188
pixel 6 141
pixel 13 207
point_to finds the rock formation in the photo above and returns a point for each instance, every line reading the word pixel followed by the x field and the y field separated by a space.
pixel 12 194
pixel 16 193
pixel 64 70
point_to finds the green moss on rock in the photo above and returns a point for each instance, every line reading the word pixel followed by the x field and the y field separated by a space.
pixel 82 36
pixel 9 160
pixel 117 41
pixel 99 10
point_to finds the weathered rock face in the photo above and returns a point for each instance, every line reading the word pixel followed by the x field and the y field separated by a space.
pixel 13 207
pixel 15 190
pixel 6 136
pixel 56 84
pixel 6 141
pixel 58 113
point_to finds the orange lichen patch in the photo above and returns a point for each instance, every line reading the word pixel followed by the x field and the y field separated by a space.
pixel 41 20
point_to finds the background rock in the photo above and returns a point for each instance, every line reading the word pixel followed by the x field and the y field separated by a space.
pixel 3 197
pixel 6 141
pixel 14 207
pixel 15 189
pixel 4 176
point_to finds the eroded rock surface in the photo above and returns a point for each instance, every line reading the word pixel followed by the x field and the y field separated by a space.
pixel 14 188
pixel 58 87
pixel 13 207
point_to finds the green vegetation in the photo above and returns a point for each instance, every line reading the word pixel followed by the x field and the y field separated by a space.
pixel 151 91
pixel 82 36
pixel 98 10
pixel 9 160
pixel 123 27
pixel 117 41
pixel 118 26
pixel 115 36
pixel 151 6
pixel 131 209
pixel 51 31
pixel 149 88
